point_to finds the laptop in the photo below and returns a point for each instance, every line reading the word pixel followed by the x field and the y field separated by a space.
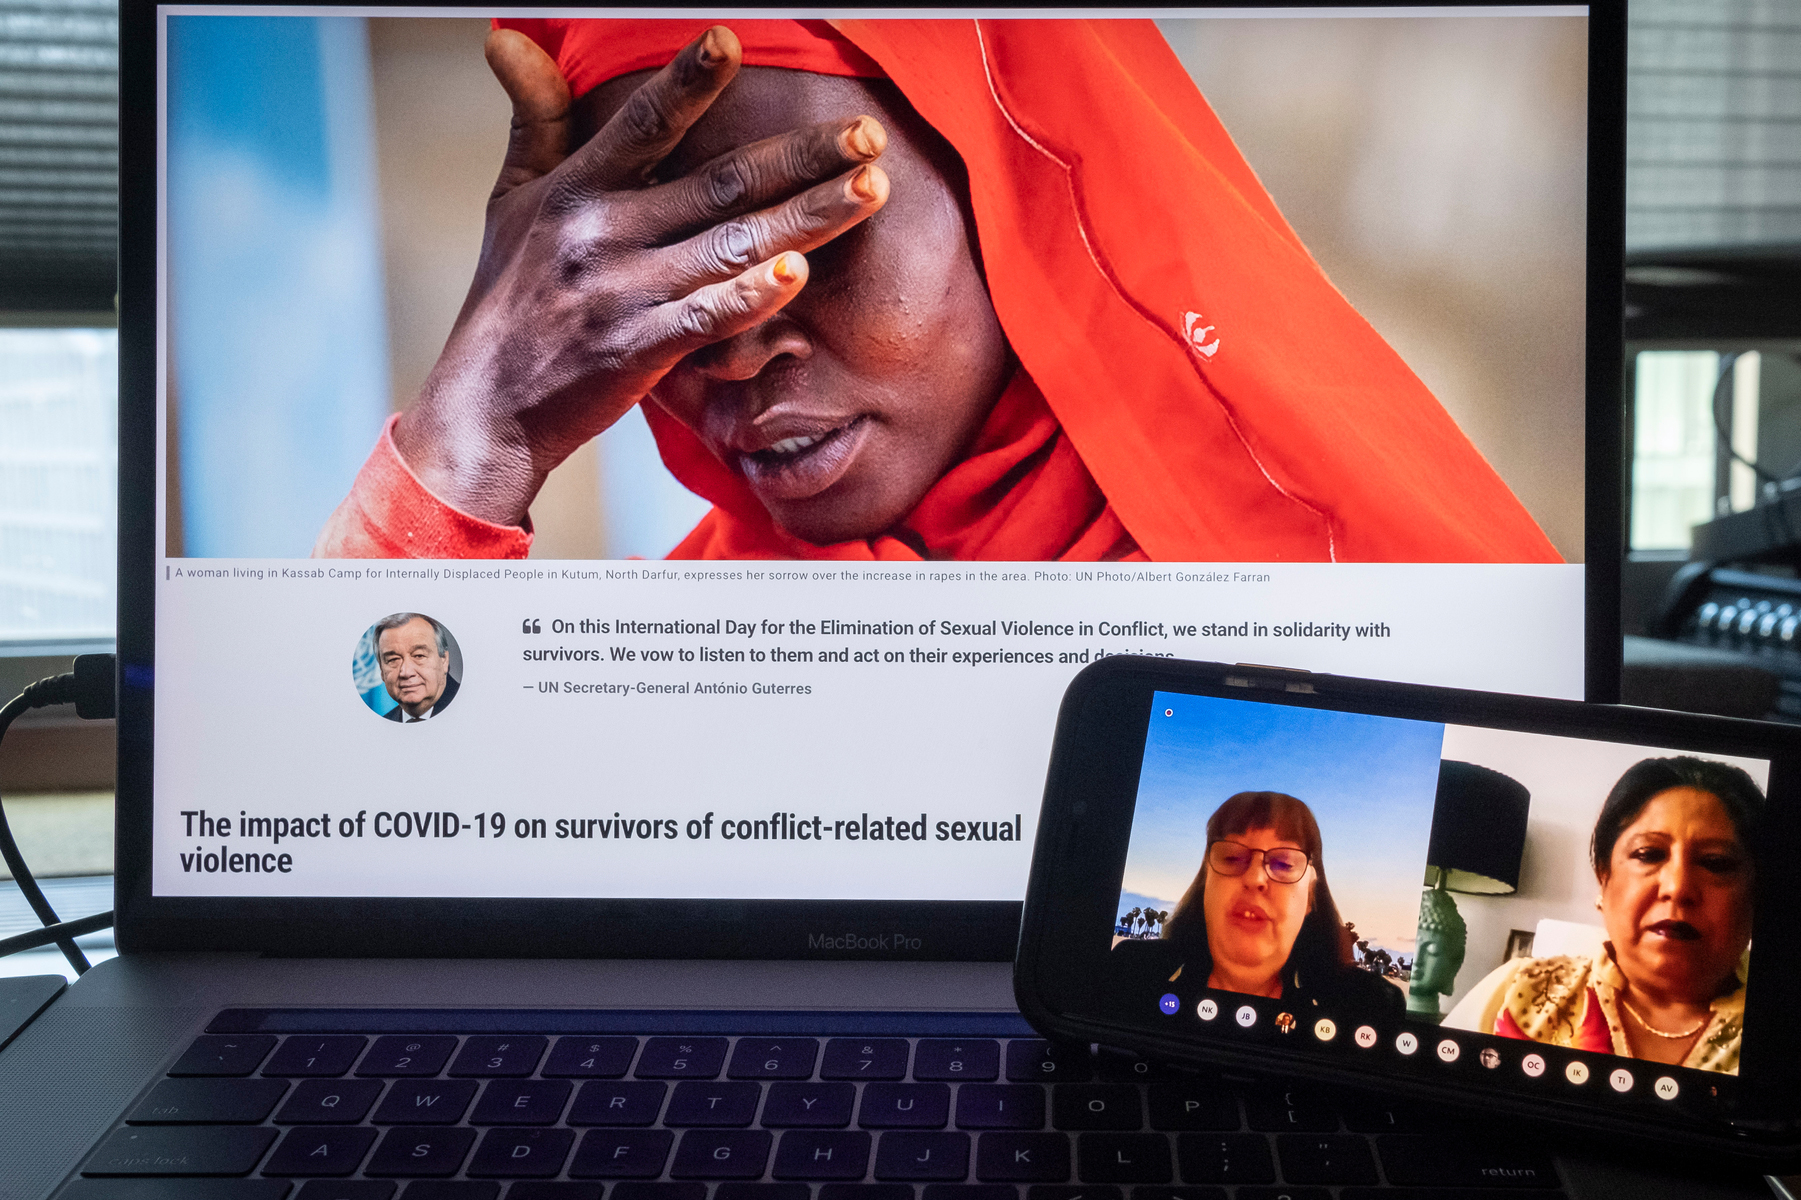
pixel 737 665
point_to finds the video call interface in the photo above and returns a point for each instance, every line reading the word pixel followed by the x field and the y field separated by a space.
pixel 1523 910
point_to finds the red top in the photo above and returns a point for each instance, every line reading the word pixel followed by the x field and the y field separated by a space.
pixel 1213 396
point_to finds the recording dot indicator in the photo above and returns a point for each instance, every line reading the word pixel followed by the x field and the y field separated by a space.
pixel 1407 1043
pixel 1247 1016
pixel 1170 1003
pixel 1666 1088
pixel 1620 1080
pixel 1364 1037
pixel 1448 1051
pixel 1324 1029
pixel 1207 1009
pixel 1576 1073
pixel 1169 712
pixel 1533 1065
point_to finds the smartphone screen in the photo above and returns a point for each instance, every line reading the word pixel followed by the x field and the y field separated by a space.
pixel 1511 910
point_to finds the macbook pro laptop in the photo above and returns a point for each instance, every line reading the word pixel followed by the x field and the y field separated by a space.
pixel 581 730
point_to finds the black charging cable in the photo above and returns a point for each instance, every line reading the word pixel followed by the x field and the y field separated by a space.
pixel 90 687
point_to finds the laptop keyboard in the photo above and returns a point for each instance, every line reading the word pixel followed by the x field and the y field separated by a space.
pixel 355 1111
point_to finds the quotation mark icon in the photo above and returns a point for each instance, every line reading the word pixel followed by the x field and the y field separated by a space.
pixel 529 625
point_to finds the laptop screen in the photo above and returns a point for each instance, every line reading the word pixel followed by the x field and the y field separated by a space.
pixel 687 456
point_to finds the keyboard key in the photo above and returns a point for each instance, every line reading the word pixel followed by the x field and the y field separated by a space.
pixel 1032 1061
pixel 821 1154
pixel 1096 1106
pixel 635 1190
pixel 321 1150
pixel 713 1104
pixel 773 1058
pixel 957 1059
pixel 1122 1066
pixel 681 1058
pixel 1195 1104
pixel 721 1154
pixel 759 1191
pixel 406 1055
pixel 1000 1106
pixel 922 1156
pixel 445 1189
pixel 1290 1110
pixel 617 1103
pixel 1292 1193
pixel 1053 1191
pixel 1373 1114
pixel 501 1055
pixel 1414 1160
pixel 329 1102
pixel 175 1150
pixel 1123 1158
pixel 1325 1158
pixel 426 1102
pixel 346 1189
pixel 521 1153
pixel 821 1105
pixel 177 1189
pixel 315 1056
pixel 1224 1158
pixel 865 1058
pixel 1185 1193
pixel 421 1151
pixel 522 1102
pixel 865 1191
pixel 971 1191
pixel 622 1154
pixel 590 1058
pixel 224 1054
pixel 905 1106
pixel 1022 1157
pixel 1448 1193
pixel 208 1102
pixel 556 1191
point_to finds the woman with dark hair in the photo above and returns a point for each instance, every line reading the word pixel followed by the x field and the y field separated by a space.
pixel 1259 917
pixel 1671 852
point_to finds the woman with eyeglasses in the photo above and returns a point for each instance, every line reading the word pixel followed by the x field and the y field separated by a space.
pixel 1259 917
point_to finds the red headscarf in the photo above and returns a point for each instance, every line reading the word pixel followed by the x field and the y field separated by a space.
pixel 1192 385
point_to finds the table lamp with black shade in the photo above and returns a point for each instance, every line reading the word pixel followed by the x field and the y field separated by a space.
pixel 1478 838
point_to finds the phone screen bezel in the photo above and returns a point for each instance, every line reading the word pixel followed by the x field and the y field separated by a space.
pixel 1080 854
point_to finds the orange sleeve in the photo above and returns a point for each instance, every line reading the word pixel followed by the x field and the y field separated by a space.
pixel 390 514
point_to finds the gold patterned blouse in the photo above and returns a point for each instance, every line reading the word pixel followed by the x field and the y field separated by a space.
pixel 1575 1001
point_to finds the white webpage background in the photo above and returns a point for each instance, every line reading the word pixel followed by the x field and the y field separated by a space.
pixel 256 713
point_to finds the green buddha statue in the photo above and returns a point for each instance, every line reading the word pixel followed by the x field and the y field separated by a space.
pixel 1439 954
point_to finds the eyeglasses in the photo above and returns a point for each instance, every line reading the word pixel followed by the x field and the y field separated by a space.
pixel 1284 864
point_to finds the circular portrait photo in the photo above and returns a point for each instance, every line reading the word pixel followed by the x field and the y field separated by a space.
pixel 407 667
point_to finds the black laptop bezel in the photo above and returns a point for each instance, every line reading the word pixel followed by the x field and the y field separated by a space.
pixel 780 929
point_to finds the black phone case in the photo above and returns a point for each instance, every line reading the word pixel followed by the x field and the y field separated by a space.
pixel 1090 794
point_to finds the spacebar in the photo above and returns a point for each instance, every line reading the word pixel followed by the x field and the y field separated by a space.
pixel 177 1189
pixel 1502 1192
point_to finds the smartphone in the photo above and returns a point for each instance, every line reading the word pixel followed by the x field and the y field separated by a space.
pixel 1581 914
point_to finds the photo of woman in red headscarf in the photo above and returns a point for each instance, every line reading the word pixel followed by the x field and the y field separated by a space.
pixel 914 289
